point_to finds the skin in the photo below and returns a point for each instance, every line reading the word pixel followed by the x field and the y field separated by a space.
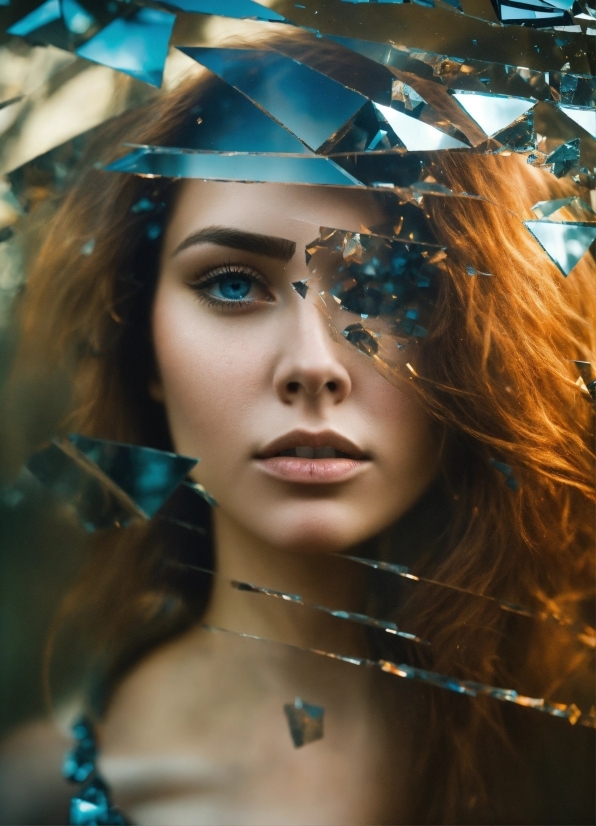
pixel 195 733
pixel 234 379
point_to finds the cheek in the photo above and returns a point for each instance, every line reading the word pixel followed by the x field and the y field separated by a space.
pixel 209 371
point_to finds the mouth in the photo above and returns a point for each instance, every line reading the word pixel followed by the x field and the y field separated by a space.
pixel 315 458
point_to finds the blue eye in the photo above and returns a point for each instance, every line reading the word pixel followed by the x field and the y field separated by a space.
pixel 231 287
pixel 234 287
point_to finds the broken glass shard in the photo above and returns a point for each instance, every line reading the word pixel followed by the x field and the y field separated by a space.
pixel 510 480
pixel 564 243
pixel 493 112
pixel 229 122
pixel 301 287
pixel 414 134
pixel 92 805
pixel 305 721
pixel 77 19
pixel 587 378
pixel 79 763
pixel 41 16
pixel 155 161
pixel 565 210
pixel 472 271
pixel 565 158
pixel 239 9
pixel 569 712
pixel 109 483
pixel 311 105
pixel 137 45
pixel 390 284
pixel 586 118
pixel 198 488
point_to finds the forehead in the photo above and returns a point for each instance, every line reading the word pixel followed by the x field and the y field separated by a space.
pixel 285 210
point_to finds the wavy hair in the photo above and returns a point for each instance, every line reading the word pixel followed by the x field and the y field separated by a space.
pixel 495 371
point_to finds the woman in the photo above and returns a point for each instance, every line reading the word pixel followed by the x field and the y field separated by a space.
pixel 184 331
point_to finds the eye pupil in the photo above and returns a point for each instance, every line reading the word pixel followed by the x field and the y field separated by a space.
pixel 234 287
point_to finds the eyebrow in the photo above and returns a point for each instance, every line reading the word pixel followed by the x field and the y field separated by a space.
pixel 237 239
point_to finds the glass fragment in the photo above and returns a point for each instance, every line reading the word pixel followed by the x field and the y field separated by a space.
pixel 305 721
pixel 510 480
pixel 92 806
pixel 311 105
pixel 586 118
pixel 48 12
pixel 493 112
pixel 158 162
pixel 569 712
pixel 230 8
pixel 301 287
pixel 416 135
pixel 564 243
pixel 109 483
pixel 137 45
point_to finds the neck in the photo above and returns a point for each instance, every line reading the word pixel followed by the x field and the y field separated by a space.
pixel 320 579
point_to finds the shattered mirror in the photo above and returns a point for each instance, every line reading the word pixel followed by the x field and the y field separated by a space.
pixel 297 387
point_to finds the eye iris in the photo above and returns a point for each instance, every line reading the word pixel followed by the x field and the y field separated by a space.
pixel 234 287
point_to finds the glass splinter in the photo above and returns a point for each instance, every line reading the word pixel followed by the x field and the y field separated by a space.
pixel 584 634
pixel 301 287
pixel 305 721
pixel 362 619
pixel 569 712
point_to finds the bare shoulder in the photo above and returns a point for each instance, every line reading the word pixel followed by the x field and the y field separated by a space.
pixel 32 789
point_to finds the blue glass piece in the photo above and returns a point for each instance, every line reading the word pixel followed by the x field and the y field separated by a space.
pixel 230 122
pixel 415 134
pixel 92 807
pixel 510 480
pixel 213 166
pixel 305 721
pixel 108 483
pixel 239 9
pixel 148 476
pixel 41 16
pixel 564 243
pixel 137 45
pixel 64 474
pixel 586 118
pixel 311 105
pixel 493 112
pixel 77 19
pixel 520 136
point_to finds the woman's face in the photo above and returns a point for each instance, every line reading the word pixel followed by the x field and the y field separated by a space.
pixel 302 443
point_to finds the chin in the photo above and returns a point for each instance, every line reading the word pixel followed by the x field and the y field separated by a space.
pixel 316 534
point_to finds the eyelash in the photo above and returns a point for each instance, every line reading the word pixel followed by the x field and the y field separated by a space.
pixel 213 276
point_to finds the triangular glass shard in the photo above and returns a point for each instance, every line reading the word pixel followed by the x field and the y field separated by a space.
pixel 493 112
pixel 565 244
pixel 520 136
pixel 109 483
pixel 311 105
pixel 77 19
pixel 565 158
pixel 415 134
pixel 586 118
pixel 146 475
pixel 239 9
pixel 305 721
pixel 229 122
pixel 232 166
pixel 137 45
pixel 41 16
pixel 565 210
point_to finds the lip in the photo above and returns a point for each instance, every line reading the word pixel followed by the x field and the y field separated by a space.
pixel 312 471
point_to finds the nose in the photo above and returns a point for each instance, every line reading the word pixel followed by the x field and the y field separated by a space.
pixel 309 368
